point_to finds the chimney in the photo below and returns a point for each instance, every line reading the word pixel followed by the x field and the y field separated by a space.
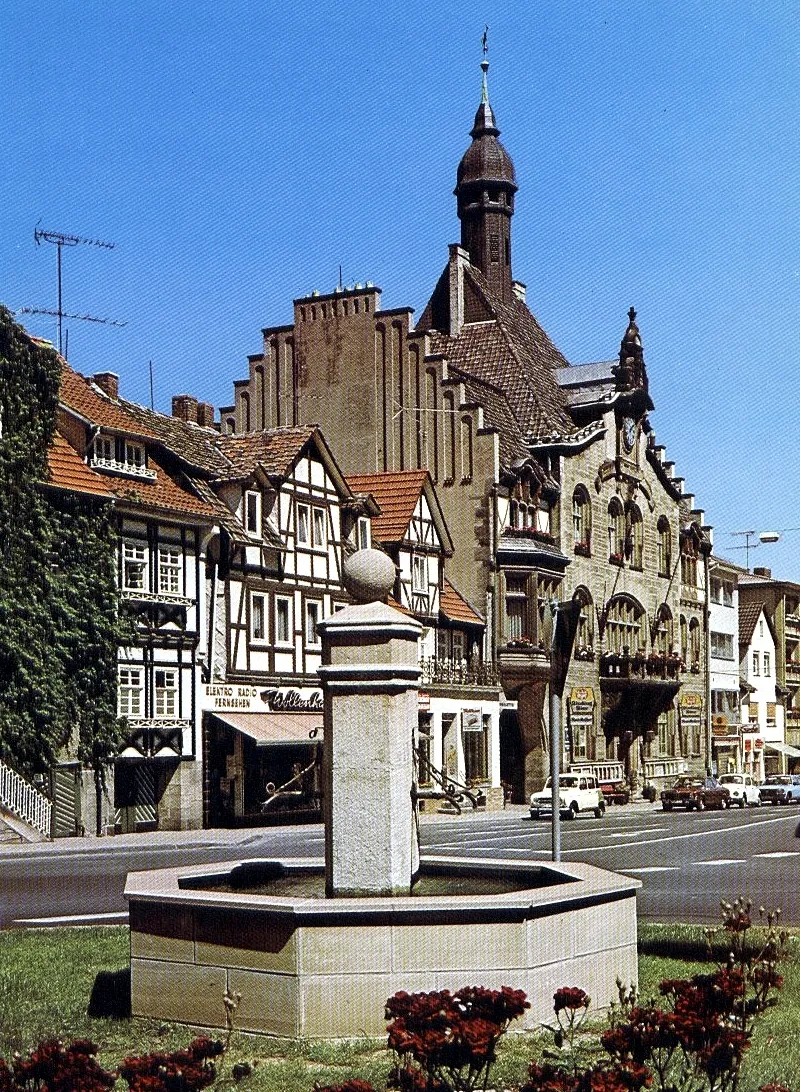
pixel 205 414
pixel 519 290
pixel 184 407
pixel 108 382
pixel 759 570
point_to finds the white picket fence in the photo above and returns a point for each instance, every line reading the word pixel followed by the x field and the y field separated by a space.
pixel 24 801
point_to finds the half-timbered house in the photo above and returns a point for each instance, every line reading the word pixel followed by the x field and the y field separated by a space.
pixel 459 696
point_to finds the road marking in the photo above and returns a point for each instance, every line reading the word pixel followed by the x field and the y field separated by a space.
pixel 71 919
pixel 634 833
pixel 704 832
pixel 723 861
pixel 654 868
pixel 795 853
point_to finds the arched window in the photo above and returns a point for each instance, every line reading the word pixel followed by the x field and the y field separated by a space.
pixel 624 627
pixel 635 536
pixel 582 521
pixel 616 531
pixel 466 449
pixel 688 562
pixel 664 546
pixel 664 639
pixel 431 425
pixel 449 436
pixel 694 646
pixel 584 636
pixel 244 411
pixel 684 639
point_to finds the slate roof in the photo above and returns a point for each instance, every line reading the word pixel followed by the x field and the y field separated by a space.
pixel 749 613
pixel 453 606
pixel 67 470
pixel 511 352
pixel 194 444
pixel 397 493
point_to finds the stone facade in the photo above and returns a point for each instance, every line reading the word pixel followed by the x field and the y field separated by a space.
pixel 548 474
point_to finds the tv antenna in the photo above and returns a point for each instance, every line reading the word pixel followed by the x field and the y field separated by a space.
pixel 60 239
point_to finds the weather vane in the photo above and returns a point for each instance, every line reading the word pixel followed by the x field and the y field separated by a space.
pixel 485 39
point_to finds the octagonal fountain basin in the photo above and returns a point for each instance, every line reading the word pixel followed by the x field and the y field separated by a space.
pixel 308 966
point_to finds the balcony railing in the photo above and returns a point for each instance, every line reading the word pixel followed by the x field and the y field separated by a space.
pixel 116 466
pixel 624 666
pixel 457 673
pixel 24 801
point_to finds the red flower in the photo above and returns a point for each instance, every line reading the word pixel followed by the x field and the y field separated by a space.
pixel 570 997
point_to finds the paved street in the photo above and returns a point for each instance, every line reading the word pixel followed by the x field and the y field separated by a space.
pixel 686 862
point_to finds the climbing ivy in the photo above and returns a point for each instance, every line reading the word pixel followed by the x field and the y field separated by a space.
pixel 60 622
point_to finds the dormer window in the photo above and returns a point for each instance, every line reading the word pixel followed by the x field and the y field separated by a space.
pixel 252 512
pixel 120 457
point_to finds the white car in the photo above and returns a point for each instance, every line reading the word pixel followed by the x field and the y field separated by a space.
pixel 743 789
pixel 576 793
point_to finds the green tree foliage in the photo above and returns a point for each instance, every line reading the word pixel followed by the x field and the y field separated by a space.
pixel 60 623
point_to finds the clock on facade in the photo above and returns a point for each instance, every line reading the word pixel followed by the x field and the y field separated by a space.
pixel 628 433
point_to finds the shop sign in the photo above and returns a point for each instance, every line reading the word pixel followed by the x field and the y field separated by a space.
pixel 424 699
pixel 243 698
pixel 471 720
pixel 691 709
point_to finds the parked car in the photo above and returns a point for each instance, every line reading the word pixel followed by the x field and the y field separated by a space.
pixel 695 792
pixel 780 789
pixel 616 792
pixel 743 789
pixel 576 793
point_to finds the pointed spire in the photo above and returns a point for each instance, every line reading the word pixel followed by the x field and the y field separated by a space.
pixel 630 371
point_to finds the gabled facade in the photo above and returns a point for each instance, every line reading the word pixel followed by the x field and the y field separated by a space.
pixel 724 677
pixel 548 475
pixel 762 714
pixel 163 525
pixel 459 696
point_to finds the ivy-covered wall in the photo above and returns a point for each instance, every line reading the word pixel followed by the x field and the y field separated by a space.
pixel 60 624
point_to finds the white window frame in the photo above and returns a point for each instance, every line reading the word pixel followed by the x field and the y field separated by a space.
pixel 419 573
pixel 767 664
pixel 104 448
pixel 258 612
pixel 135 455
pixel 252 512
pixel 303 525
pixel 313 616
pixel 756 664
pixel 363 533
pixel 319 527
pixel 165 692
pixel 135 559
pixel 169 570
pixel 281 602
pixel 130 692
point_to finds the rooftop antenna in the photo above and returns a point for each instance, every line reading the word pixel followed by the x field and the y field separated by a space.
pixel 748 546
pixel 59 239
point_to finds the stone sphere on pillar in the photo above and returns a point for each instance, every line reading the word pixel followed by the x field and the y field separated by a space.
pixel 369 576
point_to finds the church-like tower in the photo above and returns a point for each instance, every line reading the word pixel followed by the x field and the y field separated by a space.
pixel 485 188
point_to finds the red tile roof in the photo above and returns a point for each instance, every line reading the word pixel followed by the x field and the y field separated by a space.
pixel 274 450
pixel 68 471
pixel 166 493
pixel 397 493
pixel 455 607
pixel 749 613
pixel 81 396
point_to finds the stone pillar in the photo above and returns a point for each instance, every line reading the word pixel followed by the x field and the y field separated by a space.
pixel 370 682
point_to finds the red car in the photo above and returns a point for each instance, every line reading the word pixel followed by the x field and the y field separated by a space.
pixel 695 792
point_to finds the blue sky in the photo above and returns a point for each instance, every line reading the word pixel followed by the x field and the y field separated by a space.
pixel 238 154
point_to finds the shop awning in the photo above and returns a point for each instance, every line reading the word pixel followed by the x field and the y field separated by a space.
pixel 270 729
pixel 784 749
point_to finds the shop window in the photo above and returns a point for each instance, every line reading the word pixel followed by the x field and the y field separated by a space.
pixel 130 693
pixel 474 739
pixel 166 693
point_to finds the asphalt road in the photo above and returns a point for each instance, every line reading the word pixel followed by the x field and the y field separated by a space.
pixel 687 862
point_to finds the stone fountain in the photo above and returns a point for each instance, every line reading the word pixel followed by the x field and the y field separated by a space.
pixel 315 948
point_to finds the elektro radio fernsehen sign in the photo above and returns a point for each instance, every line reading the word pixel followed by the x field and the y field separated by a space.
pixel 244 698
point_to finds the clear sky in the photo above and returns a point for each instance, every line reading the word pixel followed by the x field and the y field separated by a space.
pixel 238 153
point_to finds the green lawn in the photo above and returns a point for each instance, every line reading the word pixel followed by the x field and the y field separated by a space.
pixel 47 978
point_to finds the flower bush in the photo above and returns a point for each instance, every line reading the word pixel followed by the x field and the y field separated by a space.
pixel 446 1042
pixel 53 1067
